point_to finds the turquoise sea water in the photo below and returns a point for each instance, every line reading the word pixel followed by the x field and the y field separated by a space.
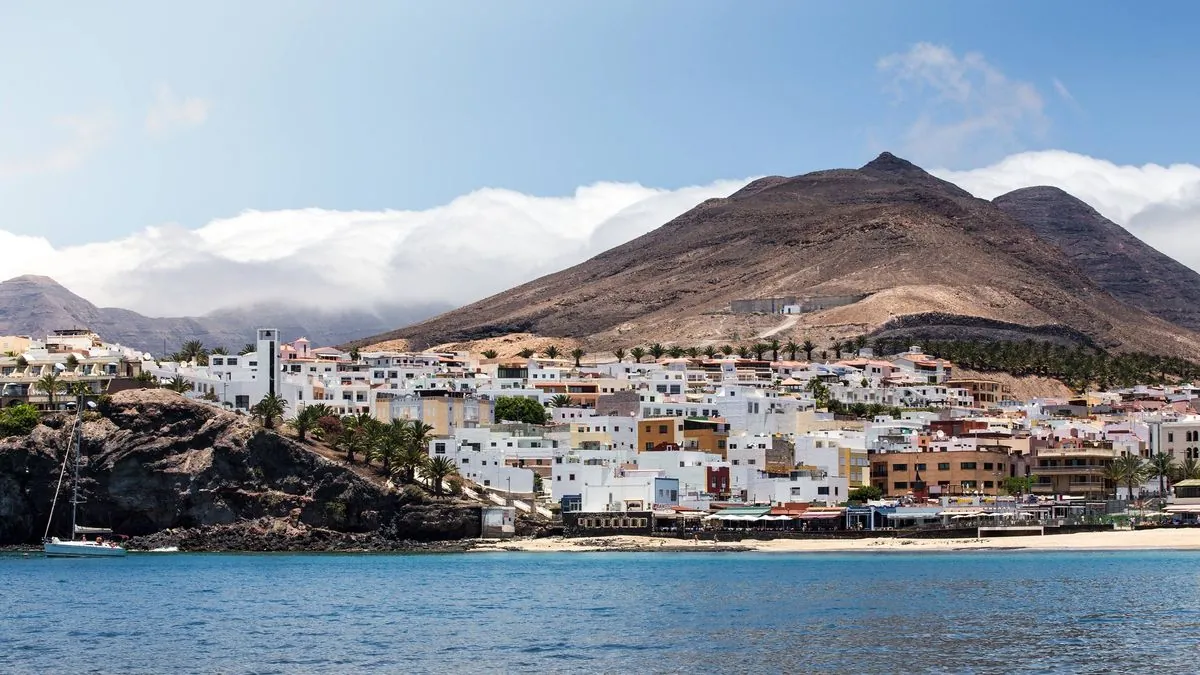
pixel 977 612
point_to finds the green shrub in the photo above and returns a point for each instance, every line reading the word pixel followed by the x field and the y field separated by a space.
pixel 18 420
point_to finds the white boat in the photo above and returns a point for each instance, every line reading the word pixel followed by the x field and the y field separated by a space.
pixel 82 547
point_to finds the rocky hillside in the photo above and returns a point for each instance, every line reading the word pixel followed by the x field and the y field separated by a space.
pixel 912 244
pixel 36 305
pixel 1120 263
pixel 182 473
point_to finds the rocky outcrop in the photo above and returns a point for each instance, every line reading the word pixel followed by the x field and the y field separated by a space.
pixel 156 462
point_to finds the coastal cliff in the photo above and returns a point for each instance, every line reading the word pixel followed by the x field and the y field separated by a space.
pixel 172 472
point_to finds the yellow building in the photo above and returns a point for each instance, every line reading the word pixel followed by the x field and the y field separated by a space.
pixel 16 344
pixel 442 410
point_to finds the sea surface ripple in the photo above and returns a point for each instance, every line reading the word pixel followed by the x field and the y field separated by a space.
pixel 970 612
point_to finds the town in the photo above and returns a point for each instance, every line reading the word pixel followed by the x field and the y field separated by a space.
pixel 716 440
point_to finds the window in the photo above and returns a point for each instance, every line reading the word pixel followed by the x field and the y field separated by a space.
pixel 900 485
pixel 662 428
pixel 231 361
pixel 943 466
pixel 750 462
pixel 823 490
pixel 252 364
pixel 969 484
pixel 1170 437
pixel 920 467
pixel 439 448
pixel 558 460
pixel 570 476
pixel 988 484
pixel 987 466
pixel 466 460
pixel 649 445
pixel 967 466
pixel 899 467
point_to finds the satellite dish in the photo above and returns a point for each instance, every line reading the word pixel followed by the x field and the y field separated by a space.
pixel 60 366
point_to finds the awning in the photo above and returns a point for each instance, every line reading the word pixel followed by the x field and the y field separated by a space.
pixel 1184 508
pixel 819 515
pixel 898 516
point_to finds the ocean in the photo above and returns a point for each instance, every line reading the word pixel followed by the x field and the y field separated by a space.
pixel 973 612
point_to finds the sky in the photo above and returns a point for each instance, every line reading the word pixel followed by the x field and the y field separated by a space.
pixel 177 159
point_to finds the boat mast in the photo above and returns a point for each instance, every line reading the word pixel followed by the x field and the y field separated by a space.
pixel 77 437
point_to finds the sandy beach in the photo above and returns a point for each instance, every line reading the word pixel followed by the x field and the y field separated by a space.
pixel 1164 539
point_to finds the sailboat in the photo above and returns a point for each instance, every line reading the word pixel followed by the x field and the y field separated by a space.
pixel 81 547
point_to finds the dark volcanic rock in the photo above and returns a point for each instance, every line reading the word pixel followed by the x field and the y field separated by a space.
pixel 158 462
pixel 1120 263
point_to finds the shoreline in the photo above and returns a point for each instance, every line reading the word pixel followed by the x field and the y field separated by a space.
pixel 1114 540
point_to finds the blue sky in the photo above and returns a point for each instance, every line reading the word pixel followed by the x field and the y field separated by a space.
pixel 406 105
pixel 124 117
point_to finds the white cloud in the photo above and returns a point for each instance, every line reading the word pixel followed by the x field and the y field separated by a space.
pixel 170 112
pixel 1158 204
pixel 965 108
pixel 478 244
pixel 84 134
pixel 1062 91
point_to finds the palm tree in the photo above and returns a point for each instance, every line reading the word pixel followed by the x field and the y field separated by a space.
pixel 577 354
pixel 859 343
pixel 726 349
pixel 219 350
pixel 525 353
pixel 808 346
pixel 306 421
pixel 357 435
pixel 560 401
pixel 710 351
pixel 411 460
pixel 246 349
pixel 178 385
pixel 489 353
pixel 551 352
pixel 743 352
pixel 837 349
pixel 791 348
pixel 637 353
pixel 692 352
pixel 1188 470
pixel 1113 472
pixel 657 351
pixel 72 362
pixel 1133 471
pixel 194 351
pixel 620 354
pixel 848 347
pixel 269 409
pixel 1162 465
pixel 675 351
pixel 50 385
pixel 388 442
pixel 437 470
pixel 773 345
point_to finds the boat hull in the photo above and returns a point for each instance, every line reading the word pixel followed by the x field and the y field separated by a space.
pixel 81 549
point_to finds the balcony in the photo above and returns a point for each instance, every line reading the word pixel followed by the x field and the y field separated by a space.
pixel 1090 469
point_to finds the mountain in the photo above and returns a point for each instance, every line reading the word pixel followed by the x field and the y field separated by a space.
pixel 1120 263
pixel 911 256
pixel 36 305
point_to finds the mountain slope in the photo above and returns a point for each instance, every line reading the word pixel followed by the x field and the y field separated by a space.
pixel 35 305
pixel 915 245
pixel 1118 262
